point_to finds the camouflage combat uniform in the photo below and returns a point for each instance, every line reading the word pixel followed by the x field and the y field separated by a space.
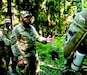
pixel 76 37
pixel 7 47
pixel 3 66
pixel 23 44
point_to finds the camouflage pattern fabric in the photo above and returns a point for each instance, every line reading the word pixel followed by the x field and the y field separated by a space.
pixel 76 38
pixel 7 47
pixel 3 66
pixel 23 44
pixel 6 36
pixel 76 33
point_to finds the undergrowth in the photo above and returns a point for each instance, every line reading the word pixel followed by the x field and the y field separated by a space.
pixel 49 66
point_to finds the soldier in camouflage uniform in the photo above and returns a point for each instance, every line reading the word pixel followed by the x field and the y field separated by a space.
pixel 75 44
pixel 5 45
pixel 6 38
pixel 3 69
pixel 23 44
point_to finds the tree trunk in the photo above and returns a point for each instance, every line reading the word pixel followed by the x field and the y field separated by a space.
pixel 0 4
pixel 18 4
pixel 59 18
pixel 9 10
pixel 0 11
pixel 26 5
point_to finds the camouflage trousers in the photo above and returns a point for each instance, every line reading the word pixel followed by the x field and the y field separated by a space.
pixel 3 67
pixel 31 66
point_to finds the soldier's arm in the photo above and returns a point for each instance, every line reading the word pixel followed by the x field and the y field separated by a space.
pixel 39 37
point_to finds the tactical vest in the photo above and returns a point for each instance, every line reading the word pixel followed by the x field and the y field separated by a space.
pixel 76 33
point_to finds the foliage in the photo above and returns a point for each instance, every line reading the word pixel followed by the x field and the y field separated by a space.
pixel 84 4
pixel 49 66
pixel 79 5
pixel 48 14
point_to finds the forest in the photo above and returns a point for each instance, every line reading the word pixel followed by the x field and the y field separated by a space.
pixel 50 17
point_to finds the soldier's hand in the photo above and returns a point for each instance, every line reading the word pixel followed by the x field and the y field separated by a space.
pixel 49 39
pixel 21 63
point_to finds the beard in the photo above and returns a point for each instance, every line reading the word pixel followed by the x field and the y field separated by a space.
pixel 25 24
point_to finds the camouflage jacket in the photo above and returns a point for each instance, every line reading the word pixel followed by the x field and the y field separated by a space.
pixel 5 41
pixel 6 36
pixel 23 41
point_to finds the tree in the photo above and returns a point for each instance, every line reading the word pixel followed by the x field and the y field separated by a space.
pixel 0 11
pixel 9 12
pixel 79 5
